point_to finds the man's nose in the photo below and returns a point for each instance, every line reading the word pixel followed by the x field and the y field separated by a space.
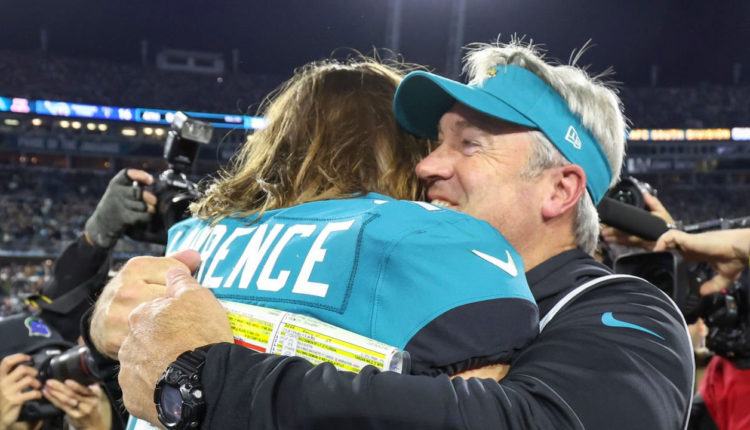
pixel 437 165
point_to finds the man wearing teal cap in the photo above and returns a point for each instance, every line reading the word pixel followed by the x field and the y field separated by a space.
pixel 529 147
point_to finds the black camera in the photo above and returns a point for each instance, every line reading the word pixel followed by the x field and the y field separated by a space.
pixel 75 363
pixel 726 313
pixel 172 187
pixel 630 191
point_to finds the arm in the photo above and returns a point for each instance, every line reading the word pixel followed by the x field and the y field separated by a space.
pixel 578 373
pixel 727 251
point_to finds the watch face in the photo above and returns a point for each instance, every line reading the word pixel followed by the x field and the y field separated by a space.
pixel 171 403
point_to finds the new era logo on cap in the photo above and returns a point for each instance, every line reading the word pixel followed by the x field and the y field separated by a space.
pixel 572 137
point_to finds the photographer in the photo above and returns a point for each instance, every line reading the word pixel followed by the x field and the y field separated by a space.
pixel 725 388
pixel 85 407
pixel 34 355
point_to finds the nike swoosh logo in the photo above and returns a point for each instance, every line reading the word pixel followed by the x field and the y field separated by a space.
pixel 508 266
pixel 610 321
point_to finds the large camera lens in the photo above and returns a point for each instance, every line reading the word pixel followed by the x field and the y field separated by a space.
pixel 76 364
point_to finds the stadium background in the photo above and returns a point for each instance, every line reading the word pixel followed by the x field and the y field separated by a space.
pixel 86 89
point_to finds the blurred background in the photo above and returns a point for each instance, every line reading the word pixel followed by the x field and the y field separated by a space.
pixel 89 87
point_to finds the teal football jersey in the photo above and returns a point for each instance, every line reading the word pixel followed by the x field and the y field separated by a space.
pixel 443 285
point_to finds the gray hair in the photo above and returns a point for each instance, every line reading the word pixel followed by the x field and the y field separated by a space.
pixel 593 100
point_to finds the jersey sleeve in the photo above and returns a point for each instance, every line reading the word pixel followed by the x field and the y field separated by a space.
pixel 455 297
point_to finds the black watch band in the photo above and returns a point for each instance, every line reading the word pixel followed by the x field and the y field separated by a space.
pixel 178 396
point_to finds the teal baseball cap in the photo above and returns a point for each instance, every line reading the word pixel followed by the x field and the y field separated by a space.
pixel 512 94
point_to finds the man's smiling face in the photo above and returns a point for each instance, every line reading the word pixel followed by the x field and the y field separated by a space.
pixel 477 169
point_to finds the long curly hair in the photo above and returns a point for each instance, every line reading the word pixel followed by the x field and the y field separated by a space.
pixel 330 134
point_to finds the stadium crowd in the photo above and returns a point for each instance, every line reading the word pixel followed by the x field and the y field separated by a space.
pixel 46 76
pixel 49 76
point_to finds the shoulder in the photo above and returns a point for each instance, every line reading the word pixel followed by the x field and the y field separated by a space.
pixel 622 309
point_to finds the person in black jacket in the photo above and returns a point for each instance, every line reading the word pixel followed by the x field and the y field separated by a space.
pixel 529 147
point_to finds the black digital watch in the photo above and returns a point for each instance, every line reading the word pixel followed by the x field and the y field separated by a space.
pixel 178 396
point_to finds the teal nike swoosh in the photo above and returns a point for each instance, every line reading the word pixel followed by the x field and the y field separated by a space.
pixel 610 321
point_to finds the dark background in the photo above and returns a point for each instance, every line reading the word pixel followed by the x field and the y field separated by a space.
pixel 691 41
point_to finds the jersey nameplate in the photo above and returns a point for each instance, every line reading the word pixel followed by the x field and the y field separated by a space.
pixel 282 260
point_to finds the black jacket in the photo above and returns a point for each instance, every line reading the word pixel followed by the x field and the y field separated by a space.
pixel 615 357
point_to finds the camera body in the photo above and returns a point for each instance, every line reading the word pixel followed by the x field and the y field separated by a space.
pixel 630 191
pixel 172 187
pixel 75 363
pixel 726 313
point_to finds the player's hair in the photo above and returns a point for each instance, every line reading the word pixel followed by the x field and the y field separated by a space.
pixel 590 97
pixel 330 134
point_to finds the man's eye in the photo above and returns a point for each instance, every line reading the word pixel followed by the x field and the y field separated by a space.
pixel 467 142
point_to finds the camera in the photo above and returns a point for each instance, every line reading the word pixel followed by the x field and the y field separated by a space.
pixel 75 363
pixel 172 187
pixel 726 314
pixel 630 191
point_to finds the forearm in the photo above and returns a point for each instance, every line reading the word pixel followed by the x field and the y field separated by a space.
pixel 245 389
pixel 87 260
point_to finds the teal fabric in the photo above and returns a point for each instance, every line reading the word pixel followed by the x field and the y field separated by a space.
pixel 515 95
pixel 380 267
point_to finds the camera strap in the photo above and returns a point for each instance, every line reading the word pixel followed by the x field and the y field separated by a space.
pixel 68 301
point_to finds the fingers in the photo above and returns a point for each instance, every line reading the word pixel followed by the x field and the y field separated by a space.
pixel 140 176
pixel 134 205
pixel 151 270
pixel 670 240
pixel 12 361
pixel 652 203
pixel 716 284
pixel 150 199
pixel 189 257
pixel 22 377
pixel 72 397
pixel 179 281
pixel 657 208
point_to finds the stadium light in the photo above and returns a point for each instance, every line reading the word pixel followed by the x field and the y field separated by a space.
pixel 90 126
pixel 129 132
pixel 102 127
pixel 64 124
pixel 148 131
pixel 36 122
pixel 159 132
pixel 12 122
pixel 76 125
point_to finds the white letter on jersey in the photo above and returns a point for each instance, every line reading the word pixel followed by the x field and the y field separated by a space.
pixel 173 242
pixel 254 252
pixel 265 283
pixel 211 281
pixel 316 255
pixel 213 239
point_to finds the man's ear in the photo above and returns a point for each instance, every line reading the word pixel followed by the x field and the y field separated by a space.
pixel 567 185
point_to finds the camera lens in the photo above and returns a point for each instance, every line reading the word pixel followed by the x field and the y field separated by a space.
pixel 76 364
